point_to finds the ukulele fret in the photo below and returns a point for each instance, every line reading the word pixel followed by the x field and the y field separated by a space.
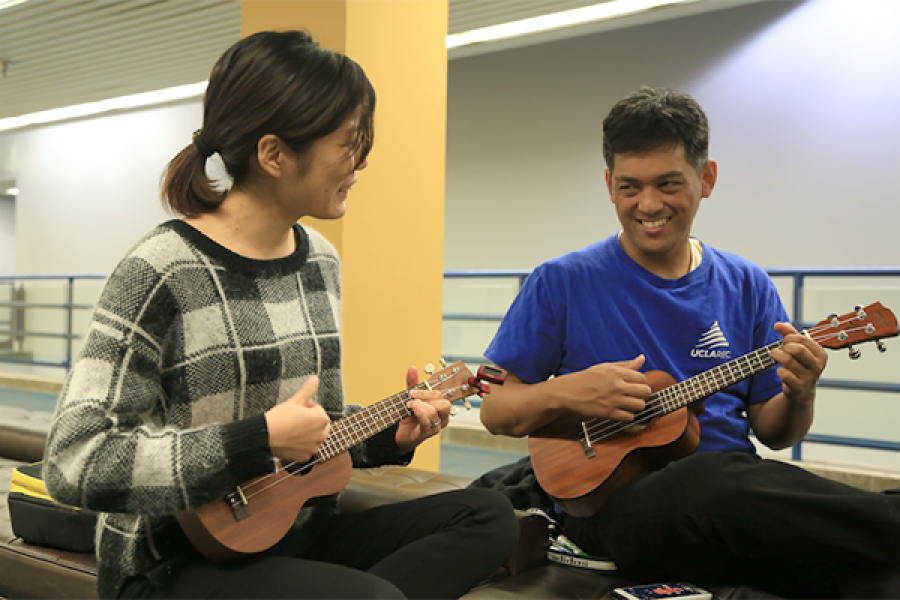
pixel 581 468
pixel 364 423
pixel 709 382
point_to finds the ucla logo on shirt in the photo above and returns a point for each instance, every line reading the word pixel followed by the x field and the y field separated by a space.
pixel 712 344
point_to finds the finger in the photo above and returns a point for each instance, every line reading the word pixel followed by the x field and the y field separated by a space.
pixel 785 329
pixel 306 392
pixel 412 377
pixel 427 415
pixel 621 415
pixel 426 395
pixel 634 364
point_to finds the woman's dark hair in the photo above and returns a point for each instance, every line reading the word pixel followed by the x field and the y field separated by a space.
pixel 280 83
pixel 654 118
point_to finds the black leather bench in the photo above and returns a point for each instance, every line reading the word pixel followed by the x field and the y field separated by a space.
pixel 30 571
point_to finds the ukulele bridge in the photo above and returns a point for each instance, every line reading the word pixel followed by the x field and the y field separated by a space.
pixel 237 501
pixel 586 442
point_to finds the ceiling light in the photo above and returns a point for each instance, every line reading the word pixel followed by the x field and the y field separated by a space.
pixel 181 92
pixel 11 192
pixel 10 3
pixel 566 18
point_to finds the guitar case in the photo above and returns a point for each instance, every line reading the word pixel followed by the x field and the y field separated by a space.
pixel 39 519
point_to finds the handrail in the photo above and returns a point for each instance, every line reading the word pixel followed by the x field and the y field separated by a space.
pixel 798 276
pixel 69 306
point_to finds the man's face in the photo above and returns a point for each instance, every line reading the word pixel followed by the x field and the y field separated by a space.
pixel 656 195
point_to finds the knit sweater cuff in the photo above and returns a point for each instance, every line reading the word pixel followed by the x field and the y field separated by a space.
pixel 382 449
pixel 247 448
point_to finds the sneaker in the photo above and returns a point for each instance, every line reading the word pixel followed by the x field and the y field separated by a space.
pixel 564 551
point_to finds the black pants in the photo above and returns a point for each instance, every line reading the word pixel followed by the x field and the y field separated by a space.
pixel 735 519
pixel 438 546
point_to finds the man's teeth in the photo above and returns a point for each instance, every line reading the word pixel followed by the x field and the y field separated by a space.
pixel 652 224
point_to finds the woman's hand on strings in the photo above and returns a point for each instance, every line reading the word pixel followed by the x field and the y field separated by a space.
pixel 431 413
pixel 298 426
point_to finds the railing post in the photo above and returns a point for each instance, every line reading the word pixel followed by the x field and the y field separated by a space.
pixel 70 302
pixel 798 299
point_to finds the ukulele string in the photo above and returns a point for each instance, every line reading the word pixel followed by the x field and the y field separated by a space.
pixel 397 401
pixel 609 428
pixel 282 472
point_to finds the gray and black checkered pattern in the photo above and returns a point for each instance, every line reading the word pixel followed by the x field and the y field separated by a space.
pixel 189 345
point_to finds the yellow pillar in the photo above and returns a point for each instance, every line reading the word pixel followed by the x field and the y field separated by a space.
pixel 391 239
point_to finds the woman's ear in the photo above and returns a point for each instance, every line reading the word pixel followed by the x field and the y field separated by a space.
pixel 270 155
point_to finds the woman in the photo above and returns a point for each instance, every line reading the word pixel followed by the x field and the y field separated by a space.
pixel 215 348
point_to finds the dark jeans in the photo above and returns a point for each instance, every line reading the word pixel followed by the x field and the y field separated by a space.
pixel 732 518
pixel 437 546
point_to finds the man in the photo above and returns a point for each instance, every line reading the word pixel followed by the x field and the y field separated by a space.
pixel 587 327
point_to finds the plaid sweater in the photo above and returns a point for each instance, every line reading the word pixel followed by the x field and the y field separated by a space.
pixel 163 410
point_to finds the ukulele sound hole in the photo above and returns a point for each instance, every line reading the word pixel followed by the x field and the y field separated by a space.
pixel 635 428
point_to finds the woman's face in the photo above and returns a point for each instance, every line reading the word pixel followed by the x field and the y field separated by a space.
pixel 321 189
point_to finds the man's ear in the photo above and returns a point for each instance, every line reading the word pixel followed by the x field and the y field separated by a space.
pixel 708 178
pixel 612 198
pixel 270 154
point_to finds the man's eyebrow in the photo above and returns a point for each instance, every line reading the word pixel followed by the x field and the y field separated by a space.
pixel 662 176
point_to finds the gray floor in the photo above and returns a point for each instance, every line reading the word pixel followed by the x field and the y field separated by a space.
pixel 471 461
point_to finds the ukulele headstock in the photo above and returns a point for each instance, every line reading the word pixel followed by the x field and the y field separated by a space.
pixel 456 382
pixel 870 323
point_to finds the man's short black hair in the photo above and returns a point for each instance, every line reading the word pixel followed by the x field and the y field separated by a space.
pixel 654 118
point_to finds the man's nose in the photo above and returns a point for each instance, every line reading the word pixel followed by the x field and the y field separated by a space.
pixel 649 201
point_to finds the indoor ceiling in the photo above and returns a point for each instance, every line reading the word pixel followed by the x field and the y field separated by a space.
pixel 57 53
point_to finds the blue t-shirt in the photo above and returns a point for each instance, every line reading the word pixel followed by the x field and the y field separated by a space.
pixel 597 305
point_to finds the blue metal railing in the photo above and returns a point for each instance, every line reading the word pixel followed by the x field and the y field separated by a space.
pixel 16 327
pixel 798 277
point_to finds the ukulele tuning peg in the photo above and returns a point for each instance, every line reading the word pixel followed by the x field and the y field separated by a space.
pixel 467 404
pixel 454 410
pixel 443 363
pixel 881 347
pixel 429 368
pixel 854 353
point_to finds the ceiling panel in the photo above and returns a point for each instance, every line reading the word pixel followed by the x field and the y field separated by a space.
pixel 466 15
pixel 62 52
pixel 58 53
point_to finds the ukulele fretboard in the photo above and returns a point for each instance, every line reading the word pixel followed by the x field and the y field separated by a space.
pixel 709 382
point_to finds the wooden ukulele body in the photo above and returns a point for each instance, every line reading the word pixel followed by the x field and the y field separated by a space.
pixel 271 515
pixel 581 483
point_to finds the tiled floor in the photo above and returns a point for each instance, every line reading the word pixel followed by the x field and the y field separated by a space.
pixel 31 400
pixel 472 461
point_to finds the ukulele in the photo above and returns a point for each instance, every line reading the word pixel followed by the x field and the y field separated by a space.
pixel 581 462
pixel 259 512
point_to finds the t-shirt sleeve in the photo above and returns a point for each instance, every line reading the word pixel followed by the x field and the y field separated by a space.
pixel 530 339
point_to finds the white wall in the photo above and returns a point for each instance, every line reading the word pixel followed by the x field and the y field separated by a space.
pixel 804 104
pixel 7 236
pixel 88 189
pixel 803 99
